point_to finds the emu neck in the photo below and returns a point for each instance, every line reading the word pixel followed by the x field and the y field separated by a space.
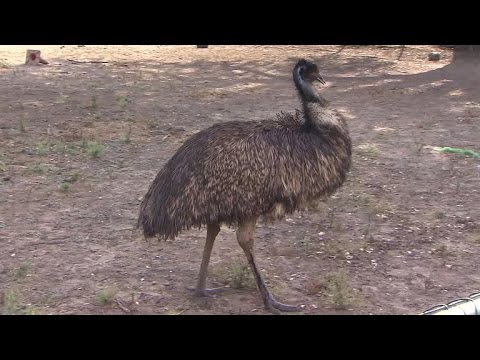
pixel 313 103
pixel 318 117
pixel 314 106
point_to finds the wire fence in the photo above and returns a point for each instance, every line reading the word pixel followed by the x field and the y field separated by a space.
pixel 469 305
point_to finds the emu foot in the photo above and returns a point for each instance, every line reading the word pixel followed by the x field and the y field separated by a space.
pixel 277 307
pixel 206 292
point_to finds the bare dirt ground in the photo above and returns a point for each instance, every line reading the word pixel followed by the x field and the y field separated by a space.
pixel 82 138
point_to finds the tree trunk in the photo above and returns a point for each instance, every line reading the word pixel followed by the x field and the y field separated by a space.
pixel 34 58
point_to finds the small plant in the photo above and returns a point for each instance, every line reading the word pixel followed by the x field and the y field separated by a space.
pixel 173 312
pixel 106 296
pixel 368 149
pixel 93 103
pixel 337 286
pixel 239 276
pixel 39 169
pixel 438 214
pixel 331 216
pixel 306 243
pixel 12 307
pixel 364 199
pixel 21 126
pixel 443 251
pixel 123 102
pixel 93 148
pixel 64 187
pixel 374 206
pixel 418 147
pixel 380 207
pixel 71 149
pixel 73 178
pixel 3 165
pixel 31 311
pixel 476 237
pixel 128 135
pixel 341 245
pixel 64 98
pixel 10 303
pixel 42 148
pixel 22 271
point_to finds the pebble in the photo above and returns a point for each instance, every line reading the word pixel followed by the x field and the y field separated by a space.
pixel 434 56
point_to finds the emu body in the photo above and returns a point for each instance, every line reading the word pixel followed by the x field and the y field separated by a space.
pixel 236 172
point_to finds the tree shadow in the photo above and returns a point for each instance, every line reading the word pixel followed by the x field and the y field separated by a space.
pixel 456 80
pixel 215 85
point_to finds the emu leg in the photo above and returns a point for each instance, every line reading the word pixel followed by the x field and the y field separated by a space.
pixel 246 237
pixel 200 290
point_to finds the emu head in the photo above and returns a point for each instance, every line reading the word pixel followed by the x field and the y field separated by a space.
pixel 308 71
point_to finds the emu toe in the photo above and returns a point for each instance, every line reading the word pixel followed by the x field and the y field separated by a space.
pixel 276 307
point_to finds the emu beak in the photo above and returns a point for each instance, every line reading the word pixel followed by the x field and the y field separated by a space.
pixel 320 79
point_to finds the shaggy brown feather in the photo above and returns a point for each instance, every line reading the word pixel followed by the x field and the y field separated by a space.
pixel 238 170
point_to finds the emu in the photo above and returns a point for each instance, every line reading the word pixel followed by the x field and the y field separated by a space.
pixel 238 172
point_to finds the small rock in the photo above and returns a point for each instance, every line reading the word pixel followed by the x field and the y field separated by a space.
pixel 434 56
